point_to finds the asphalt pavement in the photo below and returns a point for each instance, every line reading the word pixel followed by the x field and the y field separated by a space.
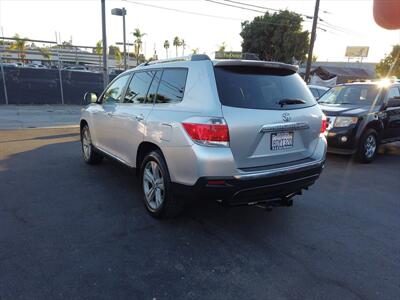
pixel 39 116
pixel 73 231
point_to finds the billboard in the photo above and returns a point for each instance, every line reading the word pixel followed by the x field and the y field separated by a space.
pixel 357 51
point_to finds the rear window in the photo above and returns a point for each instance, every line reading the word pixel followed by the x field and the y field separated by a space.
pixel 260 87
pixel 172 86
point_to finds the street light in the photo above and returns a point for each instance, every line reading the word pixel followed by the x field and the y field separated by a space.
pixel 121 12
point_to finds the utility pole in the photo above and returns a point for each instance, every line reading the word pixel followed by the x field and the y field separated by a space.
pixel 124 32
pixel 313 35
pixel 103 27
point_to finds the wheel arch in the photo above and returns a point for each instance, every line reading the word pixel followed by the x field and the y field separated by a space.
pixel 377 125
pixel 82 123
pixel 144 148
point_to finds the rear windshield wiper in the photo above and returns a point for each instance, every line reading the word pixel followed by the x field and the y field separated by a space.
pixel 288 101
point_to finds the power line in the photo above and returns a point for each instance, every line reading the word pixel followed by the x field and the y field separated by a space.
pixel 183 11
pixel 198 14
pixel 263 7
pixel 235 6
pixel 252 5
pixel 327 24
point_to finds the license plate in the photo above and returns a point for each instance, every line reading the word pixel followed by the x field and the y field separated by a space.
pixel 281 140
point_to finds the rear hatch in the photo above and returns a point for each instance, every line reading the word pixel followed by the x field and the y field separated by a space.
pixel 272 116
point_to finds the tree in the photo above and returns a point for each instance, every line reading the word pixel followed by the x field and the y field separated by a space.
pixel 183 44
pixel 138 42
pixel 195 51
pixel 67 45
pixel 314 58
pixel 177 42
pixel 99 50
pixel 20 45
pixel 390 65
pixel 277 37
pixel 114 51
pixel 166 46
pixel 222 47
pixel 118 58
pixel 45 53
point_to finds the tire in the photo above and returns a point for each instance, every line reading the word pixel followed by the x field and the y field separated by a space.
pixel 89 153
pixel 368 146
pixel 156 188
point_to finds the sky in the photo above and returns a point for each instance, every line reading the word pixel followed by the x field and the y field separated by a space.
pixel 351 24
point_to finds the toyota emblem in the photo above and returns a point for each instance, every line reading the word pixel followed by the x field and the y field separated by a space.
pixel 286 117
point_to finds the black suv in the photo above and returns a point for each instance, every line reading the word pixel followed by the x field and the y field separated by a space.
pixel 361 116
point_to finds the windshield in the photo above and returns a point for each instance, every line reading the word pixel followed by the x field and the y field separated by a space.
pixel 262 88
pixel 351 94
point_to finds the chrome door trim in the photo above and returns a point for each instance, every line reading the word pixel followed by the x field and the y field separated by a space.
pixel 284 126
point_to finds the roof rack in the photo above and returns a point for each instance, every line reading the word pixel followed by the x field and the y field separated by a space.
pixel 192 57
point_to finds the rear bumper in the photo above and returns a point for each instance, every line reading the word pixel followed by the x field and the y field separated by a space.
pixel 254 187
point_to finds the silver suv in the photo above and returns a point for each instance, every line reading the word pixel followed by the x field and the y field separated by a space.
pixel 236 131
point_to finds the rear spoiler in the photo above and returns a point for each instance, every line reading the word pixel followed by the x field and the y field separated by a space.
pixel 254 63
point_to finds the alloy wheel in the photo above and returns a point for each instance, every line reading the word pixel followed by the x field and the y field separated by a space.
pixel 86 143
pixel 153 185
pixel 370 146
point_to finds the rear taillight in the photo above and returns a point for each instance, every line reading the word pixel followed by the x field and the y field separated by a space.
pixel 324 125
pixel 208 131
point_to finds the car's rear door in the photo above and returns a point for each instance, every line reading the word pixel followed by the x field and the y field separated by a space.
pixel 262 131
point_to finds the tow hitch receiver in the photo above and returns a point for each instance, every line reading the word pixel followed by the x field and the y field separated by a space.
pixel 269 205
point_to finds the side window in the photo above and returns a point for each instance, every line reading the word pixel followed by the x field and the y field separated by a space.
pixel 393 92
pixel 114 92
pixel 138 87
pixel 172 86
pixel 151 95
pixel 314 92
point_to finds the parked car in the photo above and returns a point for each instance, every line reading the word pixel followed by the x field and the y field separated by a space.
pixel 77 68
pixel 116 72
pixel 239 132
pixel 361 116
pixel 36 66
pixel 14 64
pixel 317 90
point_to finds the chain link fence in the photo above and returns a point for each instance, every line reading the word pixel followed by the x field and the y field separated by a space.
pixel 51 73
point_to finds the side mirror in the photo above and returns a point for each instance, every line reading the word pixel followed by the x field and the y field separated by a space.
pixel 90 97
pixel 393 102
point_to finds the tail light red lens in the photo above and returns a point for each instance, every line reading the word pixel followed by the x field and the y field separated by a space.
pixel 208 134
pixel 324 125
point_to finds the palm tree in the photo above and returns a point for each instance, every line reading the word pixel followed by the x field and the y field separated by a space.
pixel 222 47
pixel 166 46
pixel 138 42
pixel 19 45
pixel 45 53
pixel 177 42
pixel 118 57
pixel 195 51
pixel 183 44
pixel 99 50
